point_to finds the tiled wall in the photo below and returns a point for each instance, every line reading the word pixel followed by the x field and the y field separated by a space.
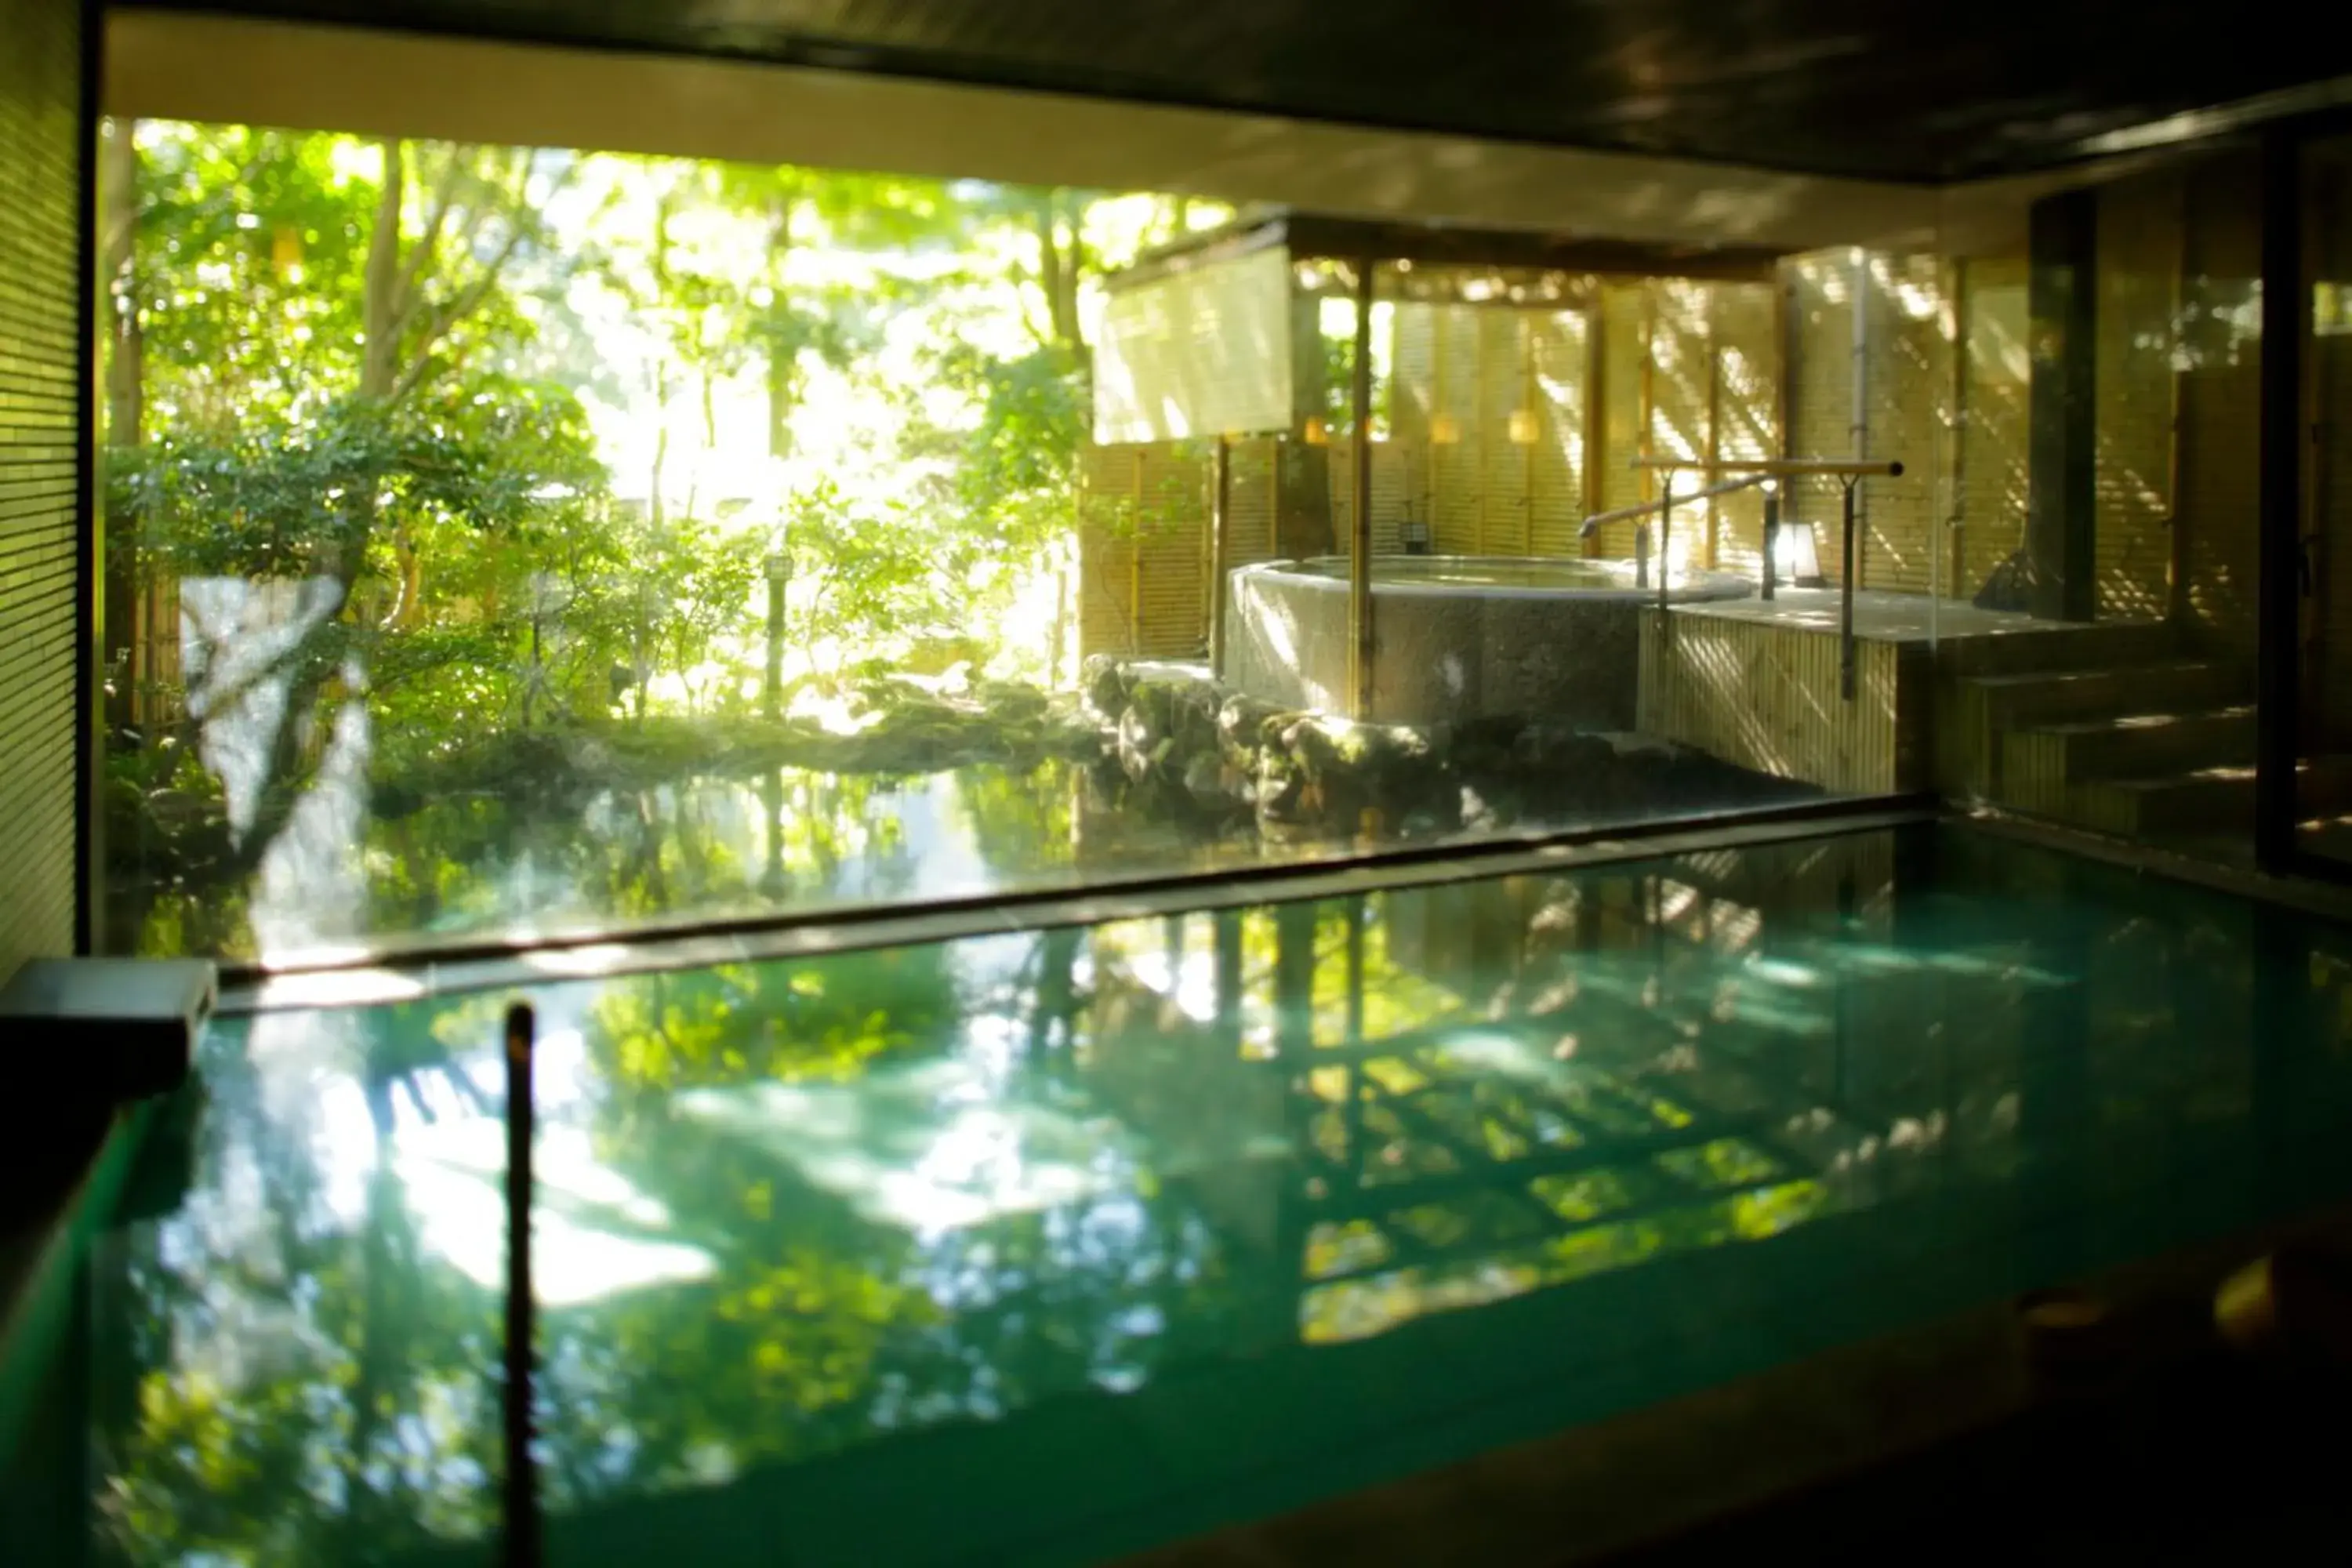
pixel 41 366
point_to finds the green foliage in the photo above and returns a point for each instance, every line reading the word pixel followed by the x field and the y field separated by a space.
pixel 1019 461
pixel 247 262
pixel 390 365
pixel 694 581
pixel 267 500
pixel 859 570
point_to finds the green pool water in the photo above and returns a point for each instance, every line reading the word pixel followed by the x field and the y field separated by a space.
pixel 1047 1246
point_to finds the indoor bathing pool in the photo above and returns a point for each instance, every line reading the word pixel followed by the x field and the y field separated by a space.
pixel 1456 637
pixel 1048 1245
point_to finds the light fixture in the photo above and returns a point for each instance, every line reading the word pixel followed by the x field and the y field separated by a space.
pixel 1793 556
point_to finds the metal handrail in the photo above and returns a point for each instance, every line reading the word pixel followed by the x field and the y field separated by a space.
pixel 1643 509
pixel 1780 468
pixel 1849 471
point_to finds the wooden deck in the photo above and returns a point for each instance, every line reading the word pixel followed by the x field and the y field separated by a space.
pixel 1900 618
pixel 1756 681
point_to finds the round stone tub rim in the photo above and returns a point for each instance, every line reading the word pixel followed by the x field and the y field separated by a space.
pixel 1702 586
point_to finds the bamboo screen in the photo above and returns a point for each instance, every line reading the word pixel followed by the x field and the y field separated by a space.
pixel 1201 352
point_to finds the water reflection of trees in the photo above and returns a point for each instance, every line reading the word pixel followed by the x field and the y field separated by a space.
pixel 702 843
pixel 933 1187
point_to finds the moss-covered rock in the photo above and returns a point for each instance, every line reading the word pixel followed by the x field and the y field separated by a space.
pixel 1244 725
pixel 1102 680
pixel 1310 775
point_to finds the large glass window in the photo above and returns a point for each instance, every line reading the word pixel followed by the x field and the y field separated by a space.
pixel 506 540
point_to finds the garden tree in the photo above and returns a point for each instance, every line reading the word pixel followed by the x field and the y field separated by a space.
pixel 700 575
pixel 708 268
pixel 711 270
pixel 865 567
pixel 239 272
pixel 426 291
pixel 121 335
pixel 325 347
pixel 793 322
pixel 218 252
pixel 347 386
pixel 1012 465
pixel 362 489
pixel 1058 218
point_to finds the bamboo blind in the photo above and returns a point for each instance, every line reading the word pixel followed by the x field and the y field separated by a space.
pixel 1765 695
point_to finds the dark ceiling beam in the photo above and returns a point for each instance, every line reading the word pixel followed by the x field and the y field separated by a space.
pixel 189 65
pixel 1863 88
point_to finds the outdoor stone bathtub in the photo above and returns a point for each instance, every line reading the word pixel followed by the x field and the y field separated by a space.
pixel 1457 636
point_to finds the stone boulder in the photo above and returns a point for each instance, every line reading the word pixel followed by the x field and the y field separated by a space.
pixel 1343 777
pixel 1103 682
pixel 1170 719
pixel 1245 725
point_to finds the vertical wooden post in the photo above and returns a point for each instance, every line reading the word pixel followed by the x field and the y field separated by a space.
pixel 1208 561
pixel 1649 377
pixel 1135 561
pixel 1714 421
pixel 1531 390
pixel 519 1488
pixel 1221 551
pixel 1088 572
pixel 1596 409
pixel 2062 461
pixel 1439 409
pixel 1860 443
pixel 1784 374
pixel 2278 677
pixel 1846 599
pixel 1481 411
pixel 1359 553
pixel 2177 606
pixel 1273 495
pixel 1665 530
pixel 1956 515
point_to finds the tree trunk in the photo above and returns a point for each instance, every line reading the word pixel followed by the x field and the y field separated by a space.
pixel 655 512
pixel 118 182
pixel 125 406
pixel 1057 273
pixel 1062 572
pixel 782 354
pixel 379 364
pixel 654 507
pixel 380 356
